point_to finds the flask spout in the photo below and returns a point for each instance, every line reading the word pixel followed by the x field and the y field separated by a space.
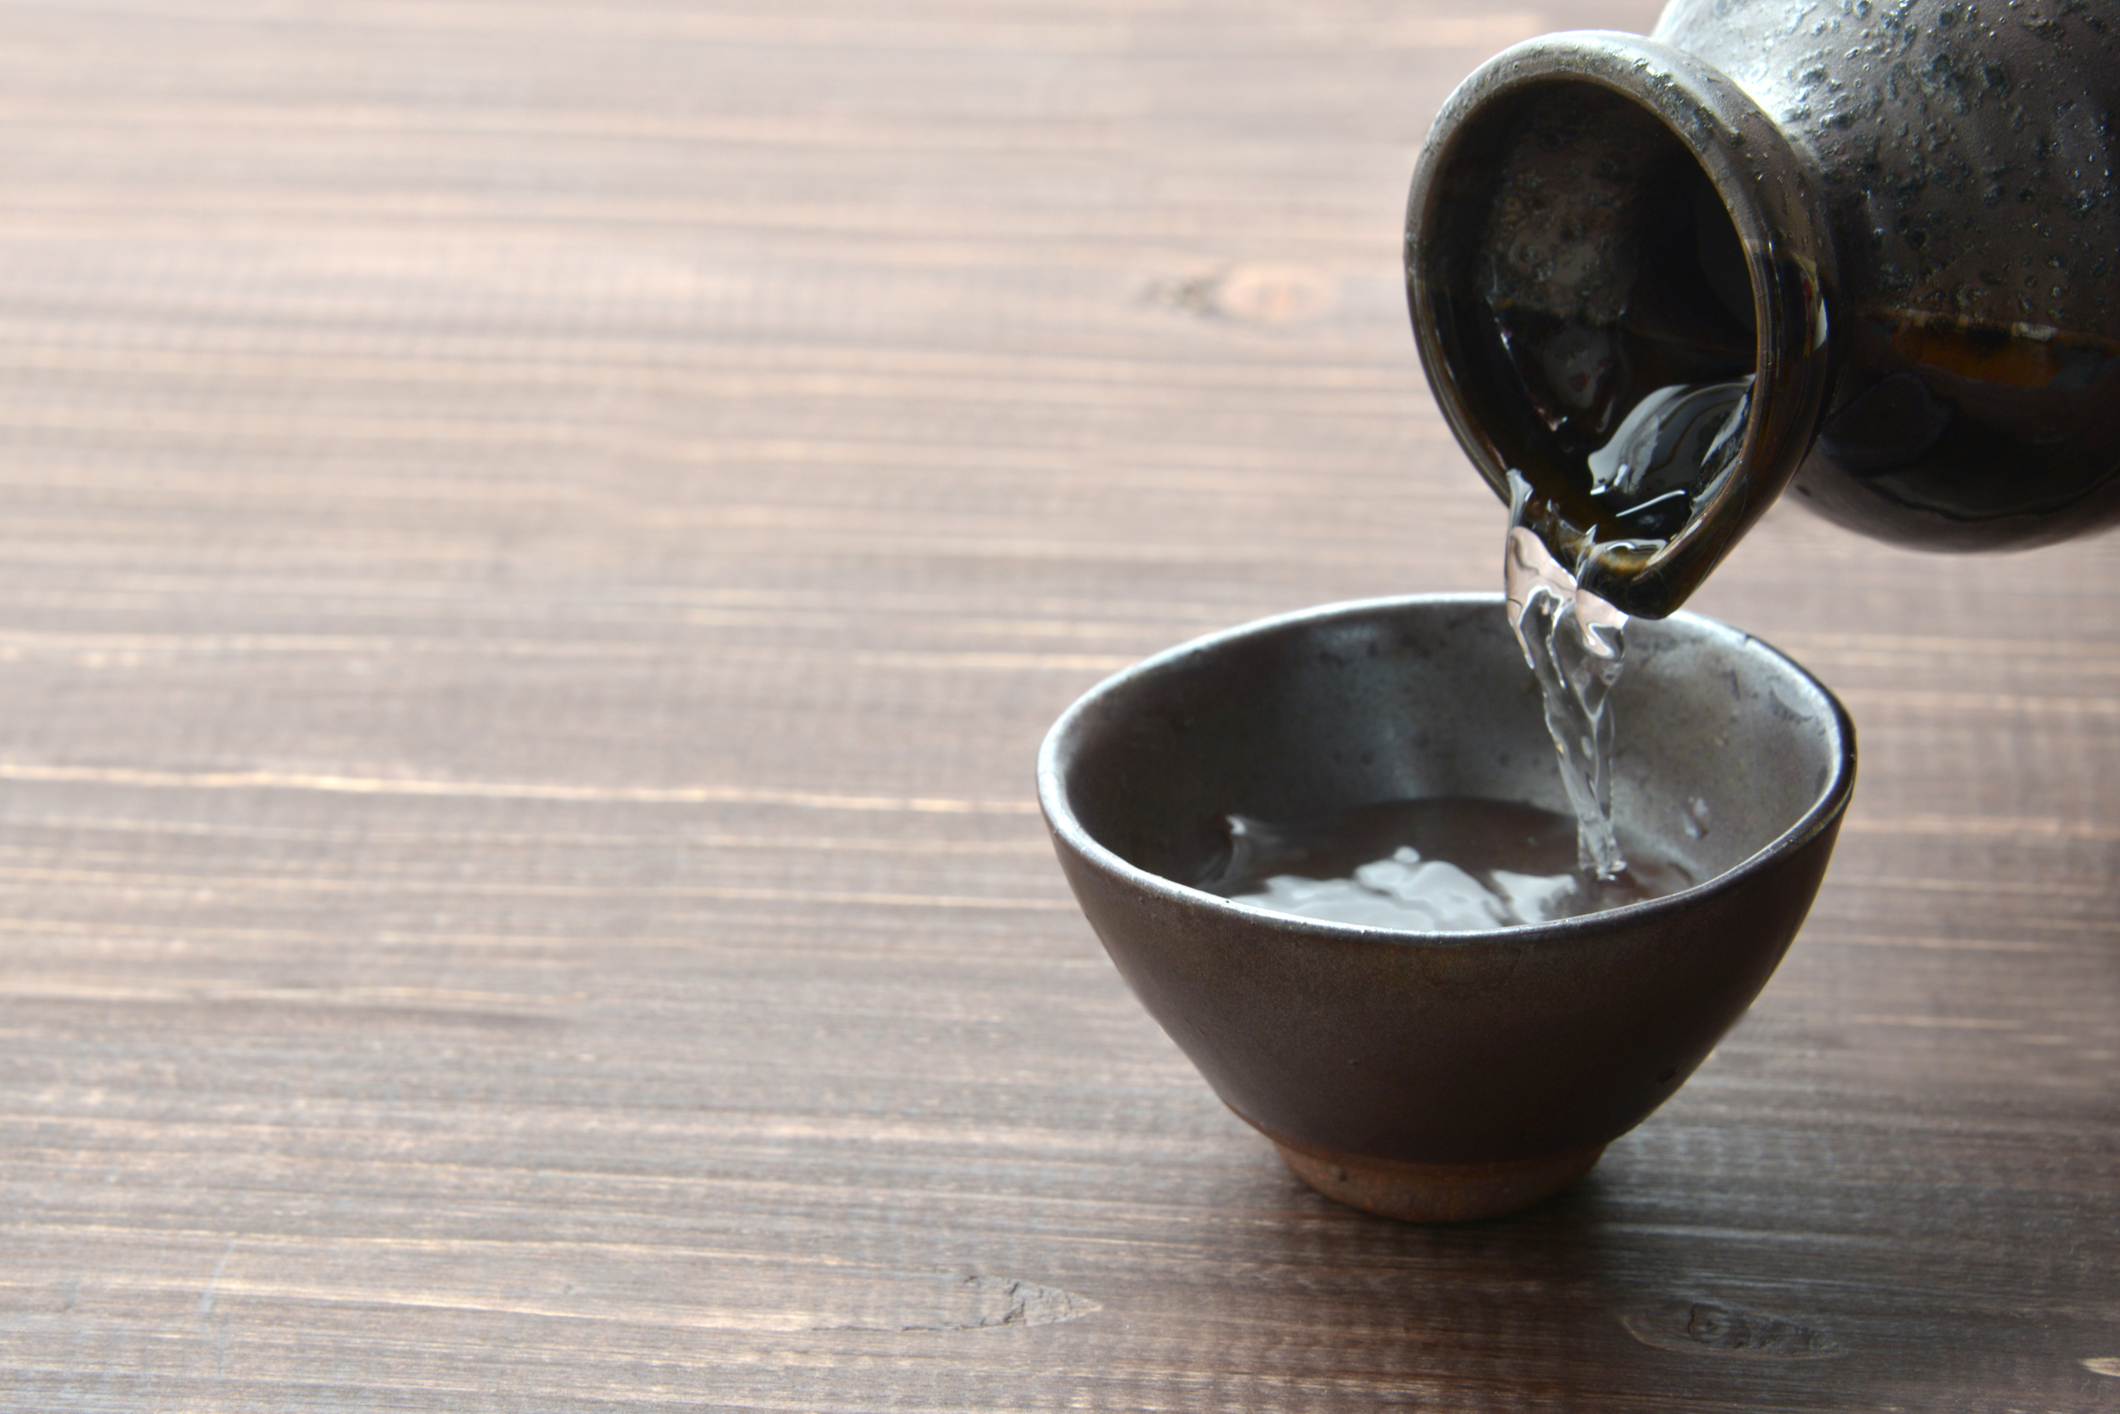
pixel 1620 273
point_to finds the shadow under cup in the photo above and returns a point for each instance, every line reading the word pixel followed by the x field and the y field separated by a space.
pixel 1438 1076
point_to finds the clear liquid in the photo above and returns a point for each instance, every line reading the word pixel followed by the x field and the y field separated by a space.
pixel 1576 645
pixel 1632 436
pixel 1443 865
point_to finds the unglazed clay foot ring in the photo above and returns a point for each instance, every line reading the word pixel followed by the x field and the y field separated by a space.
pixel 1436 1193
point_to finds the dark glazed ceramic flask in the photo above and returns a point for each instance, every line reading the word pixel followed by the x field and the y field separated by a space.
pixel 1868 250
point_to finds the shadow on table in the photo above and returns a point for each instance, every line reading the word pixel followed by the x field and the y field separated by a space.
pixel 1615 1295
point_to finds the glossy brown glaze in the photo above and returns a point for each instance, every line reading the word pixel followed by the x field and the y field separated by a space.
pixel 1966 159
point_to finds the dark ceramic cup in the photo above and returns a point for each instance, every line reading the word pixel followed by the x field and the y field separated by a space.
pixel 1439 1076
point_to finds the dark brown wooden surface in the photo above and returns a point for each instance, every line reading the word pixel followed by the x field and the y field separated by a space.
pixel 537 543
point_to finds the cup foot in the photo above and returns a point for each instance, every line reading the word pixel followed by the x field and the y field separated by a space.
pixel 1436 1193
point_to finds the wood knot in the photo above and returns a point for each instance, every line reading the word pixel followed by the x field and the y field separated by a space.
pixel 1252 294
pixel 1700 1327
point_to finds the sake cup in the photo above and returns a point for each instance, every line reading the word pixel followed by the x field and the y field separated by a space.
pixel 1443 1076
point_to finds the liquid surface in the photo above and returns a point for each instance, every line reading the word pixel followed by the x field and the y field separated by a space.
pixel 1445 865
pixel 1637 433
pixel 1668 454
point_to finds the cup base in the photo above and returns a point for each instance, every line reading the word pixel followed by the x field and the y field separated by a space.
pixel 1436 1193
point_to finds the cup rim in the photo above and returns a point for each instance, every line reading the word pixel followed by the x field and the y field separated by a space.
pixel 1056 751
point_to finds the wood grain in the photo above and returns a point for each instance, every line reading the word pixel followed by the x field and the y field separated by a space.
pixel 539 542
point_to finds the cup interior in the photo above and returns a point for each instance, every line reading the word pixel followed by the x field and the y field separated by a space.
pixel 1724 748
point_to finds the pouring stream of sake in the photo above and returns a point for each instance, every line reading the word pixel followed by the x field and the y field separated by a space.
pixel 1575 643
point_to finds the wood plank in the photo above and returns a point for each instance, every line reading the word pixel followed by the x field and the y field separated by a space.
pixel 539 543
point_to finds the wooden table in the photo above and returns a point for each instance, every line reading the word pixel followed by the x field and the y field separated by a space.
pixel 540 541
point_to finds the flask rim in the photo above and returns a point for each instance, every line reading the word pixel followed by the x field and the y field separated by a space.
pixel 1770 191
